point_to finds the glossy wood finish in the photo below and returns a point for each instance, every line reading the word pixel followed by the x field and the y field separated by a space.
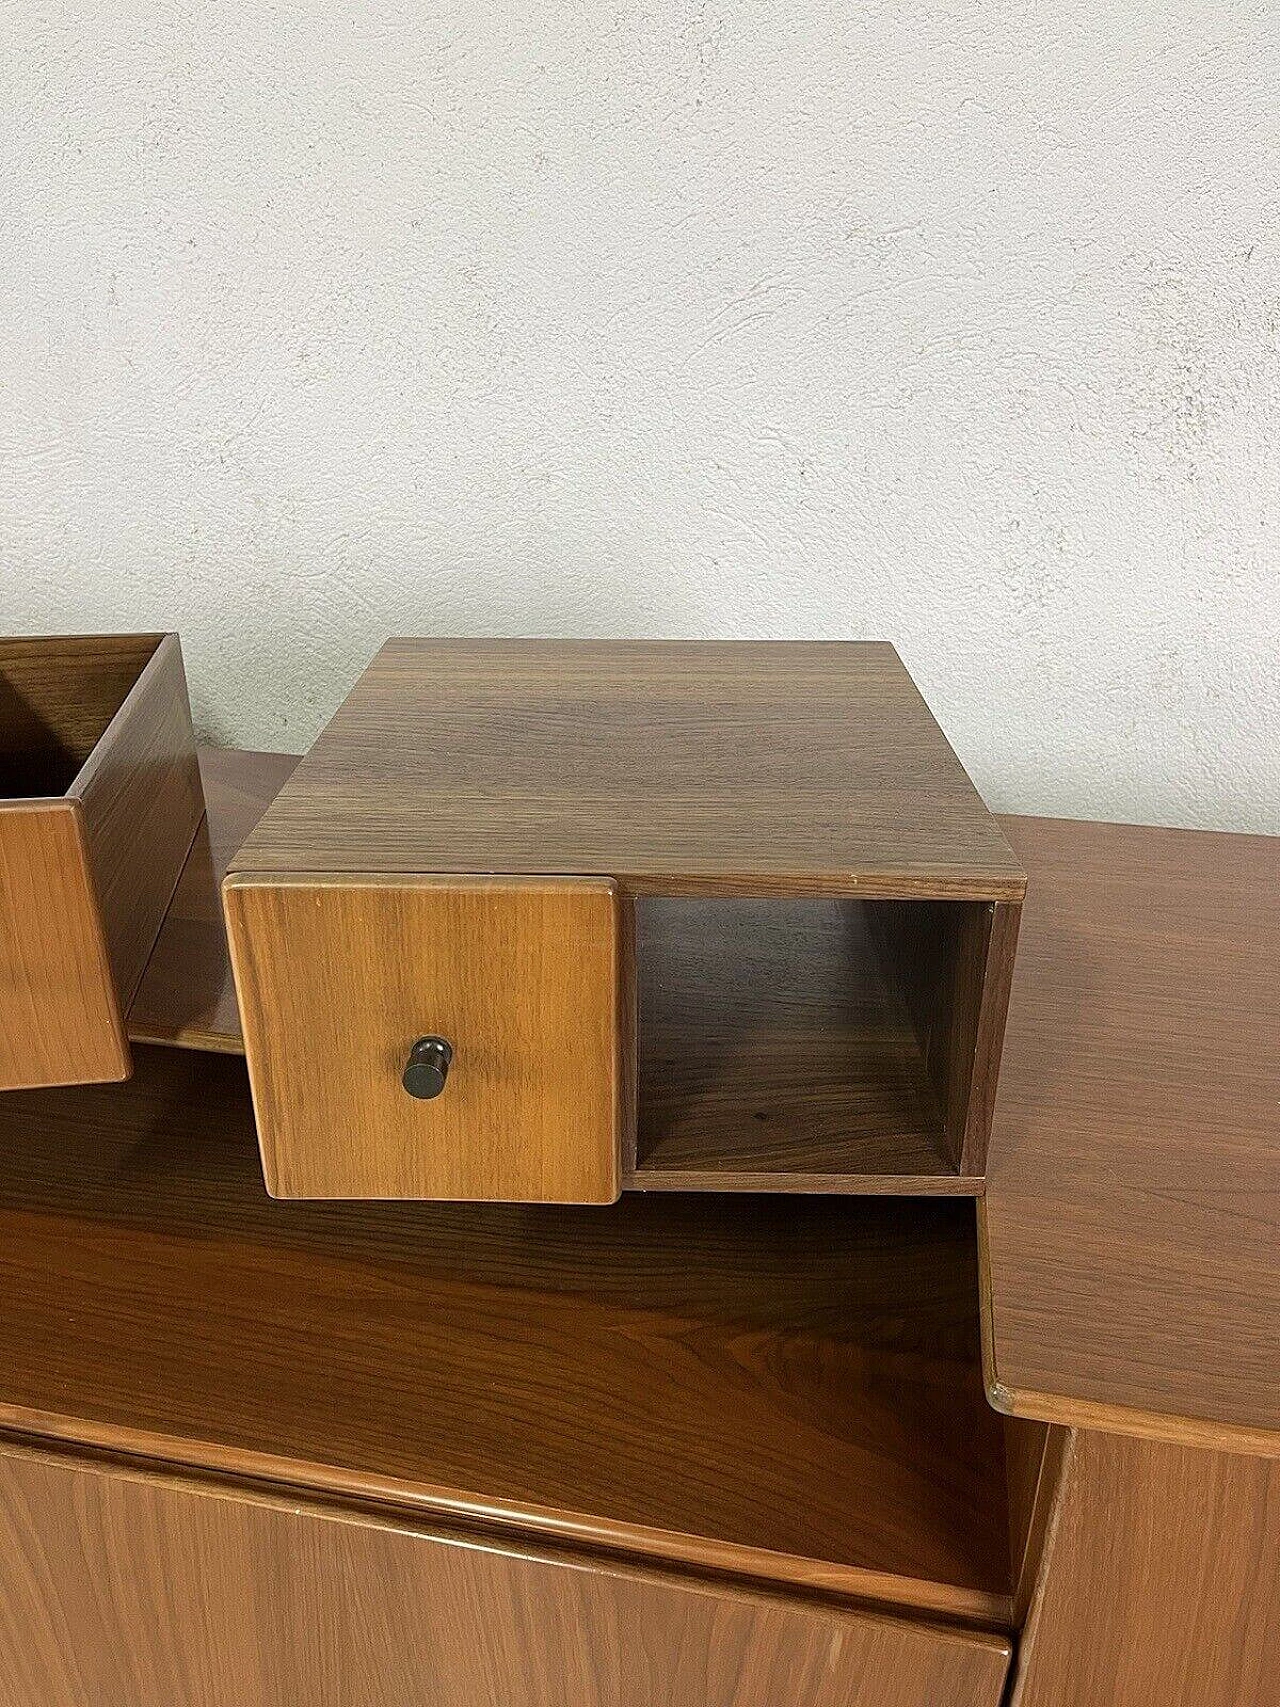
pixel 188 995
pixel 775 1052
pixel 673 767
pixel 1132 1215
pixel 1161 1581
pixel 59 1017
pixel 782 1387
pixel 522 976
pixel 140 793
pixel 776 1055
pixel 117 1588
pixel 103 802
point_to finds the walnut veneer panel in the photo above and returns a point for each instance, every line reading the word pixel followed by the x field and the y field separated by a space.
pixel 188 995
pixel 523 976
pixel 1132 1215
pixel 116 1588
pixel 1161 1581
pixel 775 1053
pixel 140 794
pixel 99 803
pixel 59 1016
pixel 672 767
pixel 786 1386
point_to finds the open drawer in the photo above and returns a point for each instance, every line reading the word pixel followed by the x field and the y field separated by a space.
pixel 99 803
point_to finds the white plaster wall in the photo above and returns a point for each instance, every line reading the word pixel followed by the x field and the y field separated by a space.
pixel 953 323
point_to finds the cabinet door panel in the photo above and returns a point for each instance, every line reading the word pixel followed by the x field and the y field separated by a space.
pixel 123 1590
pixel 1160 1581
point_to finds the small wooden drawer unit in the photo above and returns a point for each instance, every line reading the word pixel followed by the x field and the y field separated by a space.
pixel 543 920
pixel 100 801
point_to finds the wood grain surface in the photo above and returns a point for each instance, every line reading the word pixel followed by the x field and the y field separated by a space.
pixel 524 978
pixel 952 962
pixel 139 790
pixel 784 1387
pixel 1161 1582
pixel 776 1055
pixel 118 1590
pixel 58 694
pixel 59 1016
pixel 187 995
pixel 98 757
pixel 1033 1456
pixel 1132 1215
pixel 671 766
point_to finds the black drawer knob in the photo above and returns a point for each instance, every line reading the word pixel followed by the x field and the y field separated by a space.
pixel 428 1066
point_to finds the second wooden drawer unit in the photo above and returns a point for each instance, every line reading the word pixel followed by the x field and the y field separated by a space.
pixel 465 858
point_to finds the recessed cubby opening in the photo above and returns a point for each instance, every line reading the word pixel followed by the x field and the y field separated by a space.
pixel 57 697
pixel 808 1044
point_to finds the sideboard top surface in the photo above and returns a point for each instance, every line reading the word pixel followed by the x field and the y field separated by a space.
pixel 805 767
pixel 1132 1212
pixel 789 1388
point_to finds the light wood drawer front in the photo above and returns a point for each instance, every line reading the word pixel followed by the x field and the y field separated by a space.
pixel 524 978
pixel 118 1590
pixel 100 801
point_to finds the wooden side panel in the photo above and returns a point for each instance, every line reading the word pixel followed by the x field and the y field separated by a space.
pixel 952 962
pixel 1161 1582
pixel 142 801
pixel 525 977
pixel 1132 1211
pixel 1033 1456
pixel 59 1019
pixel 118 1589
pixel 187 995
pixel 988 958
pixel 674 767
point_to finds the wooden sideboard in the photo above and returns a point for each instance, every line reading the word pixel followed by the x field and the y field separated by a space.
pixel 727 1449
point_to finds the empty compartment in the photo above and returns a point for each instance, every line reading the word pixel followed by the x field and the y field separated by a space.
pixel 816 1045
pixel 99 802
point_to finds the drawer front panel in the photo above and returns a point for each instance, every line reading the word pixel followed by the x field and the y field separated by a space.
pixel 524 978
pixel 59 1017
pixel 123 1591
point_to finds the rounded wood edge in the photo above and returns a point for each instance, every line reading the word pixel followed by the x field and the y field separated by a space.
pixel 1072 1412
pixel 488 1520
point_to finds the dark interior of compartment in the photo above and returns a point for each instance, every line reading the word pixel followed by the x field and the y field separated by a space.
pixel 824 1043
pixel 56 698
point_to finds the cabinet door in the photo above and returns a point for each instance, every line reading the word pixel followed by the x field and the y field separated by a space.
pixel 521 978
pixel 119 1590
pixel 1160 1582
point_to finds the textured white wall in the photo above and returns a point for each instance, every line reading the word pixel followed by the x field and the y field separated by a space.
pixel 953 323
